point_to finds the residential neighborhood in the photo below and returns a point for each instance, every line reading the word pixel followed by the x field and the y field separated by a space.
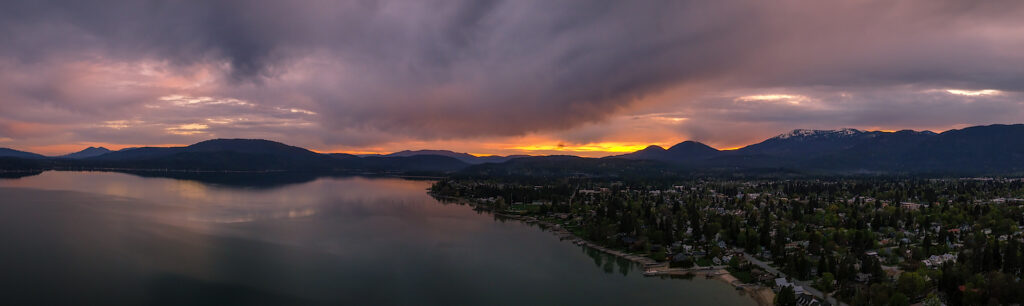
pixel 847 242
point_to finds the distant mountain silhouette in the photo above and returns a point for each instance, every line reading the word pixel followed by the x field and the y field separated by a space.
pixel 812 143
pixel 651 152
pixel 464 157
pixel 246 146
pixel 567 165
pixel 264 155
pixel 86 153
pixel 456 155
pixel 141 153
pixel 980 150
pixel 5 152
pixel 981 145
pixel 494 159
pixel 684 152
pixel 252 146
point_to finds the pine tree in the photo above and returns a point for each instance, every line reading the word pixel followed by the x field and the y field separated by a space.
pixel 1011 259
pixel 822 266
pixel 786 297
pixel 995 258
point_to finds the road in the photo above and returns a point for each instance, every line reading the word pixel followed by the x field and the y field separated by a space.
pixel 807 285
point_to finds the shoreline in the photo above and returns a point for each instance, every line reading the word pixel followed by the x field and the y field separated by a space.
pixel 761 295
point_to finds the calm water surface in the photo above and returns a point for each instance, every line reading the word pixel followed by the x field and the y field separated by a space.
pixel 111 238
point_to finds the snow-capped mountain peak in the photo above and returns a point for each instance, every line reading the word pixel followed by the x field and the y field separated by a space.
pixel 803 133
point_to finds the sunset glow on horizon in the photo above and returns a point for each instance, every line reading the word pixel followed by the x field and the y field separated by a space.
pixel 509 77
pixel 226 152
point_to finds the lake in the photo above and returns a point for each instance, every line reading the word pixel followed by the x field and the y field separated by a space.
pixel 113 238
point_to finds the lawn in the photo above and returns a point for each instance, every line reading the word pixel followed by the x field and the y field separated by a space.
pixel 704 262
pixel 743 276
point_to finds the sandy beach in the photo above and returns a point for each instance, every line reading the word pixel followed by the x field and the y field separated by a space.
pixel 763 296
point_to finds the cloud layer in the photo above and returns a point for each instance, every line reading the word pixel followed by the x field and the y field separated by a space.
pixel 475 74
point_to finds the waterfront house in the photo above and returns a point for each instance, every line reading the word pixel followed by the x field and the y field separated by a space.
pixel 781 282
pixel 680 257
pixel 760 275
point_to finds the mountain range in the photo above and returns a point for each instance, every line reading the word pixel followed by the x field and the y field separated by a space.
pixel 979 150
pixel 5 152
pixel 87 152
pixel 464 157
pixel 993 149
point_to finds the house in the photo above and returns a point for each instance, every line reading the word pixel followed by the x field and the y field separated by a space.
pixel 680 257
pixel 935 261
pixel 760 275
pixel 948 257
pixel 795 244
pixel 781 282
pixel 726 258
pixel 910 206
pixel 944 258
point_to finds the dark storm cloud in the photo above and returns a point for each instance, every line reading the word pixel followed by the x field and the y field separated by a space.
pixel 455 69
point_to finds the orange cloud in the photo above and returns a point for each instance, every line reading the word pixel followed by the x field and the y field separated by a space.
pixel 586 149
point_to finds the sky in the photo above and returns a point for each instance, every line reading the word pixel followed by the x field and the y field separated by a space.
pixel 590 78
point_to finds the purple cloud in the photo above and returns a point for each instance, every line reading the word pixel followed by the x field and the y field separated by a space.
pixel 354 73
